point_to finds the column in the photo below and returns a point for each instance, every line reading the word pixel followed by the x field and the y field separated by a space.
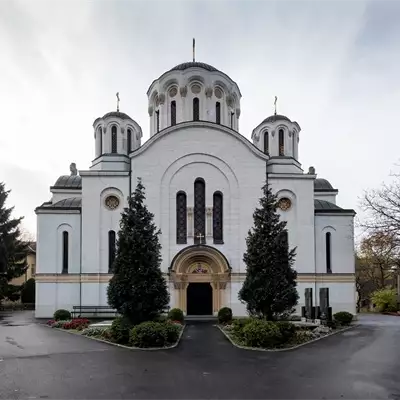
pixel 209 222
pixel 190 222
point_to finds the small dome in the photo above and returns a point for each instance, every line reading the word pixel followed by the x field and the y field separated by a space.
pixel 194 64
pixel 72 202
pixel 322 184
pixel 325 205
pixel 117 114
pixel 274 118
pixel 68 182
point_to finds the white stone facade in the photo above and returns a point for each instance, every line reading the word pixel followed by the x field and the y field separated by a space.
pixel 183 147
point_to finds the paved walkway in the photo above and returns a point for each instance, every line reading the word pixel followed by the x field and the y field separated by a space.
pixel 37 362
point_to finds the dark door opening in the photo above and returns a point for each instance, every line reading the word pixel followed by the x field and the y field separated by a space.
pixel 199 299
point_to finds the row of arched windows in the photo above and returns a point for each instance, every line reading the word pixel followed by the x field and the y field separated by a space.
pixel 114 140
pixel 199 215
pixel 111 251
pixel 281 139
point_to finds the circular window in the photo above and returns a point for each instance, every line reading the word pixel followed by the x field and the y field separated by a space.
pixel 284 203
pixel 112 202
pixel 196 89
pixel 218 93
pixel 173 91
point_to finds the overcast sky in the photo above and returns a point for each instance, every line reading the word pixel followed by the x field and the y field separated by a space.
pixel 334 66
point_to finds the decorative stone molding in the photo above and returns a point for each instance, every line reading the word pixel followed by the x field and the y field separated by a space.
pixel 209 91
pixel 150 110
pixel 104 130
pixel 183 91
pixel 161 98
pixel 122 130
pixel 229 100
pixel 238 112
pixel 173 91
pixel 190 221
pixel 273 133
pixel 290 134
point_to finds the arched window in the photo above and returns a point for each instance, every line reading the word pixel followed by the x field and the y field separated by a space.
pixel 232 114
pixel 281 142
pixel 266 142
pixel 173 112
pixel 199 211
pixel 129 139
pixel 111 250
pixel 114 139
pixel 100 133
pixel 196 109
pixel 158 120
pixel 218 218
pixel 218 112
pixel 328 252
pixel 65 251
pixel 293 144
pixel 181 218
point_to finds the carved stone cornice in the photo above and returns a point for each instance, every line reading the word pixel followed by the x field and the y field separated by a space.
pixel 183 91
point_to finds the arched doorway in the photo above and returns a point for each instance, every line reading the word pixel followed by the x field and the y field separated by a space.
pixel 199 298
pixel 200 274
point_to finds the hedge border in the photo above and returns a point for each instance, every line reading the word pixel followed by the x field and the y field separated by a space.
pixel 122 345
pixel 288 348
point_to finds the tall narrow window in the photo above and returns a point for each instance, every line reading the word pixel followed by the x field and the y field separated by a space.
pixel 111 250
pixel 281 142
pixel 173 113
pixel 181 219
pixel 266 142
pixel 196 109
pixel 114 139
pixel 199 211
pixel 218 217
pixel 293 144
pixel 100 133
pixel 158 120
pixel 328 248
pixel 129 139
pixel 218 112
pixel 232 120
pixel 65 251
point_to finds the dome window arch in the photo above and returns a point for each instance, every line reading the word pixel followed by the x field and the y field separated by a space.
pixel 157 116
pixel 218 112
pixel 113 139
pixel 281 134
pixel 129 139
pixel 266 142
pixel 173 112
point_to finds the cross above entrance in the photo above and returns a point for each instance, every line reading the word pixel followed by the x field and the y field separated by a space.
pixel 200 236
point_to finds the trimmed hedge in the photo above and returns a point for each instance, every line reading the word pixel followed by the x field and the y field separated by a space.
pixel 154 334
pixel 261 333
pixel 225 315
pixel 120 330
pixel 287 331
pixel 62 315
pixel 176 314
pixel 343 317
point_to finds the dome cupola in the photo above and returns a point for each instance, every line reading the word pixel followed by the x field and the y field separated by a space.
pixel 277 136
pixel 193 91
pixel 116 133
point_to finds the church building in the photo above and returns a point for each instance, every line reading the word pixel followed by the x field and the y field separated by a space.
pixel 203 180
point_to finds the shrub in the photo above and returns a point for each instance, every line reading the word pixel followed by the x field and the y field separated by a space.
pixel 59 324
pixel 173 330
pixel 238 325
pixel 28 292
pixel 176 314
pixel 385 299
pixel 62 315
pixel 343 317
pixel 120 329
pixel 287 331
pixel 261 333
pixel 149 334
pixel 225 315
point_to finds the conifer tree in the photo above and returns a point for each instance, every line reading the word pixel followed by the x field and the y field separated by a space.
pixel 13 250
pixel 269 289
pixel 138 289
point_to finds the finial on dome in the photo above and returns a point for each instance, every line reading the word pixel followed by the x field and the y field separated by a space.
pixel 194 49
pixel 117 101
pixel 276 100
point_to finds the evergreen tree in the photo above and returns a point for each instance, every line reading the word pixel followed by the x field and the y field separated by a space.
pixel 269 289
pixel 138 289
pixel 13 250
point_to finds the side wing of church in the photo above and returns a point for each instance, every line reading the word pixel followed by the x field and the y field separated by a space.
pixel 203 180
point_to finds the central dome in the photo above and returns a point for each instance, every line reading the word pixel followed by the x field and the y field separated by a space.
pixel 193 64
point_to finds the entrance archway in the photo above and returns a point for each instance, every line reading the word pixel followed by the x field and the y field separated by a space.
pixel 200 274
pixel 199 298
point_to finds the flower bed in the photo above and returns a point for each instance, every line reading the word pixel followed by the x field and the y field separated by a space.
pixel 77 324
pixel 268 335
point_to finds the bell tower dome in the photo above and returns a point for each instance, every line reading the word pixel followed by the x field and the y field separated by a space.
pixel 116 135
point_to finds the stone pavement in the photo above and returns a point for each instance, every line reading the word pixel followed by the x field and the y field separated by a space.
pixel 37 362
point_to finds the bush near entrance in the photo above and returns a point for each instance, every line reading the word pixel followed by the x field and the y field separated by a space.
pixel 176 314
pixel 62 315
pixel 225 315
pixel 343 317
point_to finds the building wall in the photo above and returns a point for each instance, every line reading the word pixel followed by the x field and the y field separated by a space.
pixel 29 273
